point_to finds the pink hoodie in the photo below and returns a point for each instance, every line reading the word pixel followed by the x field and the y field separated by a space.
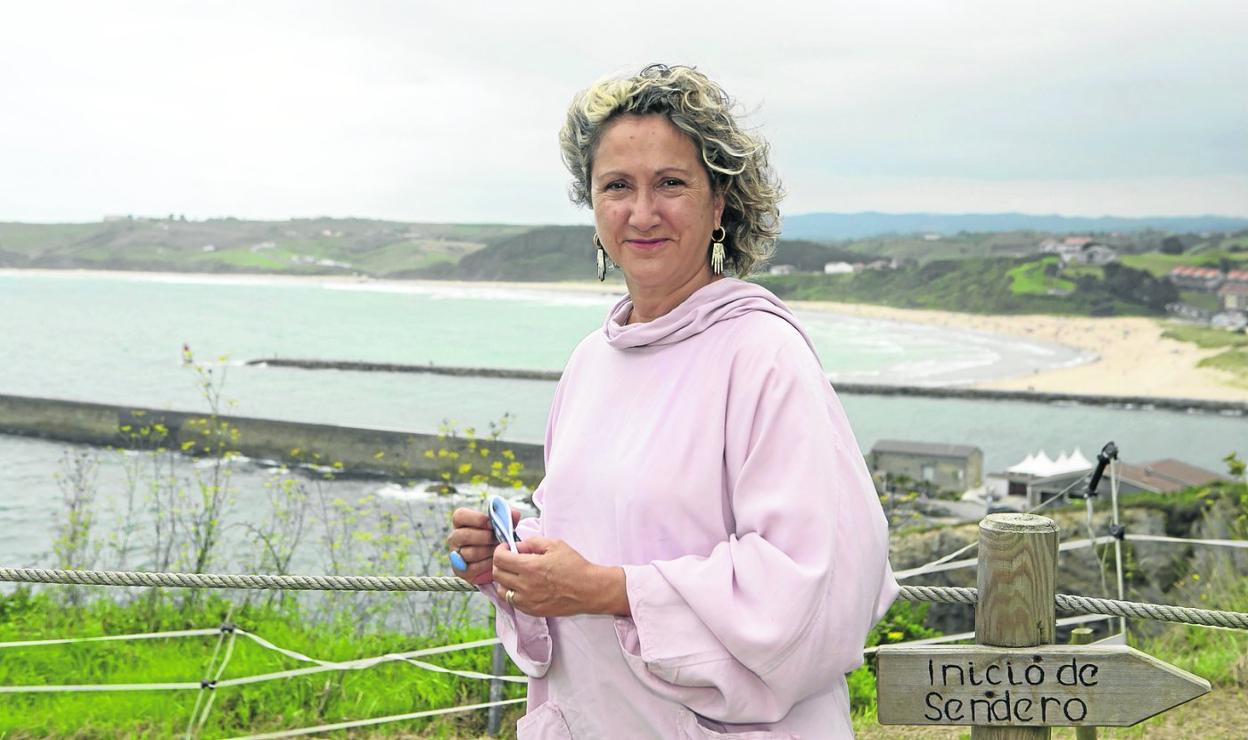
pixel 706 453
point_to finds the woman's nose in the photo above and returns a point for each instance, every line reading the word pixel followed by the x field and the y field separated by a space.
pixel 644 214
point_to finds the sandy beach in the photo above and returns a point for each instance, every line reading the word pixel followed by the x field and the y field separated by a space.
pixel 1131 357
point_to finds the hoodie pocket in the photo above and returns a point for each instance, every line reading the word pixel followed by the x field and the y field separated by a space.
pixel 691 729
pixel 544 723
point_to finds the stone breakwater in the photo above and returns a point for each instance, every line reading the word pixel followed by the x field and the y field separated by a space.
pixel 351 451
pixel 1237 408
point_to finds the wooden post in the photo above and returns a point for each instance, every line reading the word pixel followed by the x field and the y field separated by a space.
pixel 1082 636
pixel 1015 683
pixel 1017 586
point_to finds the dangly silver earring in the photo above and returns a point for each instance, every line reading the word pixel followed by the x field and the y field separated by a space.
pixel 601 255
pixel 717 250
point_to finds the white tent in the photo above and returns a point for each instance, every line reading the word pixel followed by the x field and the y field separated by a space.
pixel 1078 461
pixel 1041 466
pixel 1024 466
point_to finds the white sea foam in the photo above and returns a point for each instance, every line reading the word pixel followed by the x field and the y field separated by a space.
pixel 469 495
pixel 486 292
pixel 922 354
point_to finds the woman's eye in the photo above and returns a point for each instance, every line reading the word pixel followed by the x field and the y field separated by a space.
pixel 617 185
pixel 673 182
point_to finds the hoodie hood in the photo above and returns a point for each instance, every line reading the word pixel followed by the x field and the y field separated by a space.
pixel 722 300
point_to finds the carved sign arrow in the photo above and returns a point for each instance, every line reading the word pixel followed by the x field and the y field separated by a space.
pixel 1049 685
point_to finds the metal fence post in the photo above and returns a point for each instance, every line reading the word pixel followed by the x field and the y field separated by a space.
pixel 498 664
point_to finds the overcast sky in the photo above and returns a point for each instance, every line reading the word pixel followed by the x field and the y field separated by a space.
pixel 449 111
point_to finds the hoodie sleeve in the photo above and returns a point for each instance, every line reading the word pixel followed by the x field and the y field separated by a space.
pixel 525 637
pixel 780 610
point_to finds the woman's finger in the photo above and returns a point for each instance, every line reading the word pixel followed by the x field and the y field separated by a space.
pixel 478 573
pixel 505 580
pixel 507 560
pixel 468 537
pixel 477 553
pixel 536 545
pixel 501 590
pixel 470 518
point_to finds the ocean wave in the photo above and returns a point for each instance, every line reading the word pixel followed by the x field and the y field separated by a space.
pixel 604 299
pixel 469 495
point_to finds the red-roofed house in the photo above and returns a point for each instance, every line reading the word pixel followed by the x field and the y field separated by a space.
pixel 1206 279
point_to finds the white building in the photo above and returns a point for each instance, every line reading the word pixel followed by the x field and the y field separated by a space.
pixel 837 268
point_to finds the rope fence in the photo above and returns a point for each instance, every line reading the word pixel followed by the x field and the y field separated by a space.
pixel 242 581
pixel 1072 604
pixel 1082 608
pixel 226 634
pixel 947 595
pixel 215 681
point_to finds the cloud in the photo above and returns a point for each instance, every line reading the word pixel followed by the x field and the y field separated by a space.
pixel 449 112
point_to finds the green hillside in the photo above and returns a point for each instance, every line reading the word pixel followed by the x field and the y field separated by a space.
pixel 546 253
pixel 981 272
pixel 381 249
pixel 988 285
pixel 1205 249
pixel 299 246
pixel 566 253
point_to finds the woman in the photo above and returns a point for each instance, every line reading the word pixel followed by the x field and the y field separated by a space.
pixel 710 551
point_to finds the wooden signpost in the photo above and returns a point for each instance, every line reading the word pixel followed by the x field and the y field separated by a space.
pixel 1051 685
pixel 1015 683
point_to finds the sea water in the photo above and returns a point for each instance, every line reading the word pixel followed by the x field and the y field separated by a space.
pixel 118 339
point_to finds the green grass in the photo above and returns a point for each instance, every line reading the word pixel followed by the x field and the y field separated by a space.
pixel 269 259
pixel 1204 301
pixel 953 246
pixel 1075 270
pixel 1205 337
pixel 1160 264
pixel 972 285
pixel 1032 278
pixel 414 254
pixel 1234 360
pixel 393 688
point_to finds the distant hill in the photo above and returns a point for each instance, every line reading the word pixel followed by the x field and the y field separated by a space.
pixel 381 249
pixel 544 253
pixel 297 246
pixel 995 285
pixel 841 226
pixel 565 253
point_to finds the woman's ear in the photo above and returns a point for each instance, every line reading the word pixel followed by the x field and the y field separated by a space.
pixel 719 206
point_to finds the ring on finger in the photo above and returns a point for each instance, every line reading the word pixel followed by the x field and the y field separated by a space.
pixel 510 596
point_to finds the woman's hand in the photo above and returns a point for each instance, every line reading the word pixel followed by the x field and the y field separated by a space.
pixel 473 538
pixel 550 579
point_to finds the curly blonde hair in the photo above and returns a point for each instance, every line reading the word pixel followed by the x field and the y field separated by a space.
pixel 736 161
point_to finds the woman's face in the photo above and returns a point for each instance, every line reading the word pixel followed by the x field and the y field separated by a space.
pixel 653 203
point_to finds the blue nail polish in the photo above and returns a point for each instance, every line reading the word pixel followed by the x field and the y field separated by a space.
pixel 457 561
